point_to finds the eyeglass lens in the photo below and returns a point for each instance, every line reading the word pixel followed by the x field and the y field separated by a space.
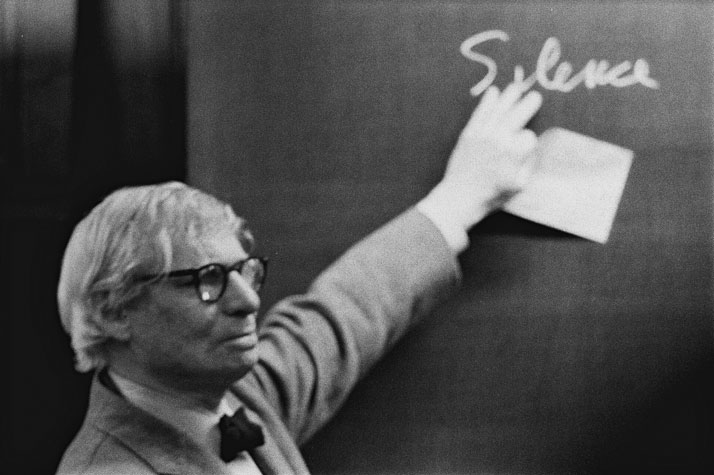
pixel 253 272
pixel 212 279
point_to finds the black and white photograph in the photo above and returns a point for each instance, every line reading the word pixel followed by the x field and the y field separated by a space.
pixel 357 237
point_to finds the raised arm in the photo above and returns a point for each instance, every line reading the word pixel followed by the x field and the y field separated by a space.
pixel 489 163
pixel 315 347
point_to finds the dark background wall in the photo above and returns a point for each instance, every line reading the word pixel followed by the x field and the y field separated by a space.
pixel 321 120
pixel 92 97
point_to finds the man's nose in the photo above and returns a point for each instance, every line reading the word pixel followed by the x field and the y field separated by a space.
pixel 239 299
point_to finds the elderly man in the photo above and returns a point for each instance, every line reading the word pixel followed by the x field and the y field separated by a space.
pixel 159 293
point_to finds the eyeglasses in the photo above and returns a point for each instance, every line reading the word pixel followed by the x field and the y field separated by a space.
pixel 211 280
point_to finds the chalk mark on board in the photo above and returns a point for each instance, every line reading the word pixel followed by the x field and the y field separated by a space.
pixel 595 72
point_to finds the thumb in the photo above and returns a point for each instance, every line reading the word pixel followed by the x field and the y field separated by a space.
pixel 525 144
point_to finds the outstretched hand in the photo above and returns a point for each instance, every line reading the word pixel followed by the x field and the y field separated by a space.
pixel 491 160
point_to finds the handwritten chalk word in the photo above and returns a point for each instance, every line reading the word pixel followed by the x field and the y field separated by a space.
pixel 595 73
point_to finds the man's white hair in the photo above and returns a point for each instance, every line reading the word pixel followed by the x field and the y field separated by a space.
pixel 130 234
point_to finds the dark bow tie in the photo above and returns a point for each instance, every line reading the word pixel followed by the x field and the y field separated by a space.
pixel 238 434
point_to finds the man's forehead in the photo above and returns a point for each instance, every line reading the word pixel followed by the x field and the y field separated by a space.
pixel 222 247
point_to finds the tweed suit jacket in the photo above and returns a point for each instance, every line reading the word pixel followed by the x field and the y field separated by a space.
pixel 313 349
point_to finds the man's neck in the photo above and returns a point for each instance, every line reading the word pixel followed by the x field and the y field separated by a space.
pixel 206 397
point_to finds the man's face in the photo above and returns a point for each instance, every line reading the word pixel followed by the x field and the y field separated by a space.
pixel 183 342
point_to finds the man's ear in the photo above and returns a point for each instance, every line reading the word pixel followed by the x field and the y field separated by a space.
pixel 117 325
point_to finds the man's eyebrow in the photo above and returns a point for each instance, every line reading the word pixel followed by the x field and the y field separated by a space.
pixel 223 262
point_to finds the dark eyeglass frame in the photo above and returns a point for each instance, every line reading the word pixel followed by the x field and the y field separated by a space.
pixel 195 274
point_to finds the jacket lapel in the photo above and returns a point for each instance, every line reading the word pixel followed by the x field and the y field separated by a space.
pixel 279 454
pixel 166 449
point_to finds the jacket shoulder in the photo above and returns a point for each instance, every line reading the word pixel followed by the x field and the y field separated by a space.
pixel 93 452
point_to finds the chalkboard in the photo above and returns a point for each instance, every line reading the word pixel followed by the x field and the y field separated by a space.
pixel 319 121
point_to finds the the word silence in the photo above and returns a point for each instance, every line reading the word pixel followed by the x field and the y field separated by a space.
pixel 555 75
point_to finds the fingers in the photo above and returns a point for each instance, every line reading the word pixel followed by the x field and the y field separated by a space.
pixel 526 141
pixel 523 111
pixel 506 112
pixel 507 100
pixel 483 111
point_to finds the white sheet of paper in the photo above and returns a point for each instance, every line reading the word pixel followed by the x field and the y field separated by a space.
pixel 576 184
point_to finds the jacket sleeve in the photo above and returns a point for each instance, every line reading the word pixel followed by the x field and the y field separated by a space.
pixel 315 347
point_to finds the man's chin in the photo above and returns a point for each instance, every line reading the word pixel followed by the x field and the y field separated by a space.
pixel 244 364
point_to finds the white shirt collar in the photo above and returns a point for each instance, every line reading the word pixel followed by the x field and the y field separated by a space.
pixel 198 423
